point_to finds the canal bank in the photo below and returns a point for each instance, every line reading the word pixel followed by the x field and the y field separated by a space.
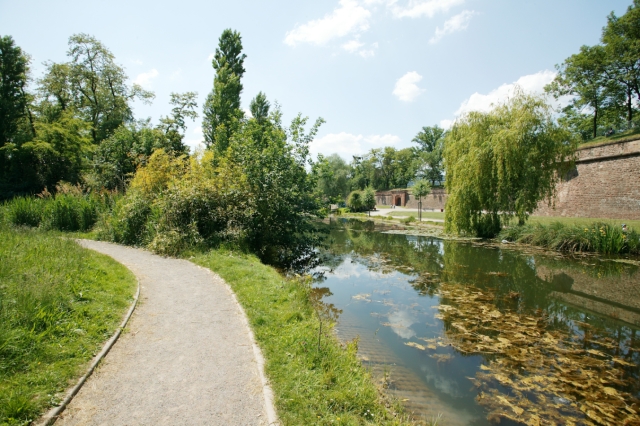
pixel 485 333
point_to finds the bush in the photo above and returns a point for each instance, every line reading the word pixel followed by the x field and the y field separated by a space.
pixel 256 195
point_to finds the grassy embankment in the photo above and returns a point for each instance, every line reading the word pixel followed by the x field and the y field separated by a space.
pixel 629 135
pixel 58 304
pixel 326 385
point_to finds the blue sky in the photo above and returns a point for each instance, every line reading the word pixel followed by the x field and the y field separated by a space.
pixel 376 70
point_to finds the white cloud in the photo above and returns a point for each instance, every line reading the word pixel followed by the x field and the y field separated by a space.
pixel 352 45
pixel 456 23
pixel 144 79
pixel 210 57
pixel 446 124
pixel 137 61
pixel 347 144
pixel 532 83
pixel 419 8
pixel 406 88
pixel 348 18
pixel 368 53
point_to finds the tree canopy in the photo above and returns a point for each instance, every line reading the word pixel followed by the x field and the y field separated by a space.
pixel 502 163
pixel 222 111
pixel 603 81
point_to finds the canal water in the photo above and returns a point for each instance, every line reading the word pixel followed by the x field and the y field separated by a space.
pixel 482 334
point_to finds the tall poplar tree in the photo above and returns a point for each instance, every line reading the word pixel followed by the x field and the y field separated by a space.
pixel 222 112
pixel 14 68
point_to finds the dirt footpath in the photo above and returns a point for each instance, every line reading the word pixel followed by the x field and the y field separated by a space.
pixel 187 358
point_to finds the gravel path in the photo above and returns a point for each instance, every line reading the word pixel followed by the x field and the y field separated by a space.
pixel 188 357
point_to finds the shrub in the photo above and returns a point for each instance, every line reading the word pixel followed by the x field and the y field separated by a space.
pixel 355 201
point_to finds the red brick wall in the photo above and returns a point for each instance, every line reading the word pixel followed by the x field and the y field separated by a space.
pixel 434 201
pixel 605 183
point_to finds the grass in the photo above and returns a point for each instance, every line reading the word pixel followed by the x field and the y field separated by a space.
pixel 425 215
pixel 58 304
pixel 326 386
pixel 62 212
pixel 629 135
pixel 581 221
pixel 599 237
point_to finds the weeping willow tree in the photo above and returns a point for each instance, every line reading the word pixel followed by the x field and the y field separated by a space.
pixel 501 164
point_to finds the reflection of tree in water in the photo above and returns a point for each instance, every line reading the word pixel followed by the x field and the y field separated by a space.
pixel 327 312
pixel 382 252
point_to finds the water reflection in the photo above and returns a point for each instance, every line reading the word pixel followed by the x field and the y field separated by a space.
pixel 484 334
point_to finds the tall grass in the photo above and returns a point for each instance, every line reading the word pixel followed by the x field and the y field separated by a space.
pixel 58 304
pixel 62 212
pixel 599 237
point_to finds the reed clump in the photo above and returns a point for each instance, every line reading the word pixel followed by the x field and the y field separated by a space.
pixel 599 237
pixel 64 211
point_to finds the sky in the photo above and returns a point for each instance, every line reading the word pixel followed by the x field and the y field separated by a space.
pixel 376 70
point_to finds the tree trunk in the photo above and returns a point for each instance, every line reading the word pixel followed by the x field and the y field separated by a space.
pixel 595 123
pixel 629 106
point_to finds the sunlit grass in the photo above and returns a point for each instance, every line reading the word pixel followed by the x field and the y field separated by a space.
pixel 58 304
pixel 628 135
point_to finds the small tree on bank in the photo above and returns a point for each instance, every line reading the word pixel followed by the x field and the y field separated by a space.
pixel 421 189
pixel 369 199
pixel 500 164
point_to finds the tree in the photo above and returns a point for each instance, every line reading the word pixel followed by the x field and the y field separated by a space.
pixel 97 85
pixel 421 189
pixel 621 38
pixel 500 164
pixel 332 176
pixel 583 76
pixel 430 140
pixel 174 126
pixel 369 199
pixel 14 72
pixel 259 108
pixel 222 111
pixel 278 224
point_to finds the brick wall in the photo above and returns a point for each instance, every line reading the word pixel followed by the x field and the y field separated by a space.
pixel 434 201
pixel 605 183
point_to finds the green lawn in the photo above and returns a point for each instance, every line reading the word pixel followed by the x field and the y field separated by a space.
pixel 59 303
pixel 425 215
pixel 629 135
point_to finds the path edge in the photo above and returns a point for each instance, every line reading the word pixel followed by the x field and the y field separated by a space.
pixel 52 415
pixel 267 392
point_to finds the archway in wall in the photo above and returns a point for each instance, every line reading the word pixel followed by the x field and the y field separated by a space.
pixel 398 201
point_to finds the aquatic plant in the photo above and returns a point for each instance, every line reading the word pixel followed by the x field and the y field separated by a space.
pixel 537 369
